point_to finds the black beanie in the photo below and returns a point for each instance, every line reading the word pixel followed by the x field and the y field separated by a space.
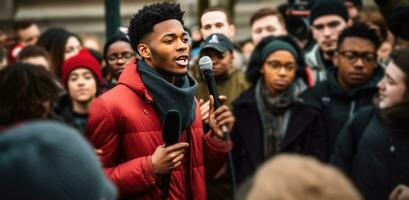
pixel 398 20
pixel 328 7
pixel 49 160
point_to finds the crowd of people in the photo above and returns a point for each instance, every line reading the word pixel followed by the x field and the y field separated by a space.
pixel 315 105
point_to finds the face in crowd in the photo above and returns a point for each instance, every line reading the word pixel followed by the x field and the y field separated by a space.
pixel 222 62
pixel 166 49
pixel 216 22
pixel 82 85
pixel 356 62
pixel 72 47
pixel 29 36
pixel 118 55
pixel 279 71
pixel 326 30
pixel 392 88
pixel 266 26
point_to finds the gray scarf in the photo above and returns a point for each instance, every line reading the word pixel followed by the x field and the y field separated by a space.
pixel 275 114
pixel 166 96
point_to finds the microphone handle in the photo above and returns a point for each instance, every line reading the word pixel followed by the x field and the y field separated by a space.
pixel 211 84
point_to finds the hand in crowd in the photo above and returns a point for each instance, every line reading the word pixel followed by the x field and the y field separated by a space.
pixel 401 192
pixel 221 116
pixel 204 111
pixel 165 159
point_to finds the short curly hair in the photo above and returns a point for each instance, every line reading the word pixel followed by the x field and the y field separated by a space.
pixel 24 101
pixel 360 30
pixel 143 21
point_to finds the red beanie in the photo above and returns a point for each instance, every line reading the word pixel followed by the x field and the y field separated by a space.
pixel 83 59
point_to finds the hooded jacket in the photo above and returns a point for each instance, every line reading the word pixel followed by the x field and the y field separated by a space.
pixel 124 124
pixel 338 106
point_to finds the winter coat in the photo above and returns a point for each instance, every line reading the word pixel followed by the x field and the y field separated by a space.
pixel 305 134
pixel 124 124
pixel 373 154
pixel 315 62
pixel 337 105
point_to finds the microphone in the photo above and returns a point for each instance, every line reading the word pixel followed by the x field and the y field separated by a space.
pixel 170 135
pixel 206 66
pixel 171 127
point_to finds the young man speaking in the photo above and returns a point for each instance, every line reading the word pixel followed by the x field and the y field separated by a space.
pixel 126 122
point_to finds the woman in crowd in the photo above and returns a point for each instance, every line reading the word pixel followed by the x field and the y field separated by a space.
pixel 60 45
pixel 270 118
pixel 117 53
pixel 81 76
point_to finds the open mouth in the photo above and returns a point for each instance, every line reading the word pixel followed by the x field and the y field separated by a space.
pixel 182 60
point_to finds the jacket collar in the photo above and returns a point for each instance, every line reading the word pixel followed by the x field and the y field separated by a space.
pixel 131 78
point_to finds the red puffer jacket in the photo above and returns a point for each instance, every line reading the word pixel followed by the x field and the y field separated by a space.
pixel 123 123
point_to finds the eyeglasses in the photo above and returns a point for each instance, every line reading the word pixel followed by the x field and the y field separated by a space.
pixel 275 65
pixel 124 56
pixel 352 56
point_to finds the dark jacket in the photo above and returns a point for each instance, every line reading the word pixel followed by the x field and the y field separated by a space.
pixel 305 134
pixel 68 116
pixel 374 154
pixel 123 122
pixel 337 105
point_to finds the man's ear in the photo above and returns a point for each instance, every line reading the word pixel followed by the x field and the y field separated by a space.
pixel 144 51
pixel 232 30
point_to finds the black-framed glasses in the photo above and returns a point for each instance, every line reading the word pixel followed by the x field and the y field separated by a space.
pixel 275 65
pixel 124 56
pixel 352 56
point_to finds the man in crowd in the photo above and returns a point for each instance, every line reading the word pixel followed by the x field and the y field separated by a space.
pixel 26 33
pixel 373 147
pixel 217 20
pixel 230 81
pixel 126 121
pixel 351 85
pixel 266 22
pixel 328 18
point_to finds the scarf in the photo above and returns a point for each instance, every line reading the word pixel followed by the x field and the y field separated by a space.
pixel 167 96
pixel 275 114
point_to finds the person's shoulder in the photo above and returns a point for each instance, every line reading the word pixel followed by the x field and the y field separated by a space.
pixel 316 94
pixel 246 98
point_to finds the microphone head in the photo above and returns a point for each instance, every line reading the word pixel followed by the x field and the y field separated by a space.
pixel 171 127
pixel 205 63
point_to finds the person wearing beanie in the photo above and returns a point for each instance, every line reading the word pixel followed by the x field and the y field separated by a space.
pixel 270 117
pixel 45 160
pixel 81 76
pixel 328 18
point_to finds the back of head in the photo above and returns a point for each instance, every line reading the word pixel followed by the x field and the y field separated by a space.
pixel 48 160
pixel 294 177
pixel 328 7
pixel 24 91
pixel 145 19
